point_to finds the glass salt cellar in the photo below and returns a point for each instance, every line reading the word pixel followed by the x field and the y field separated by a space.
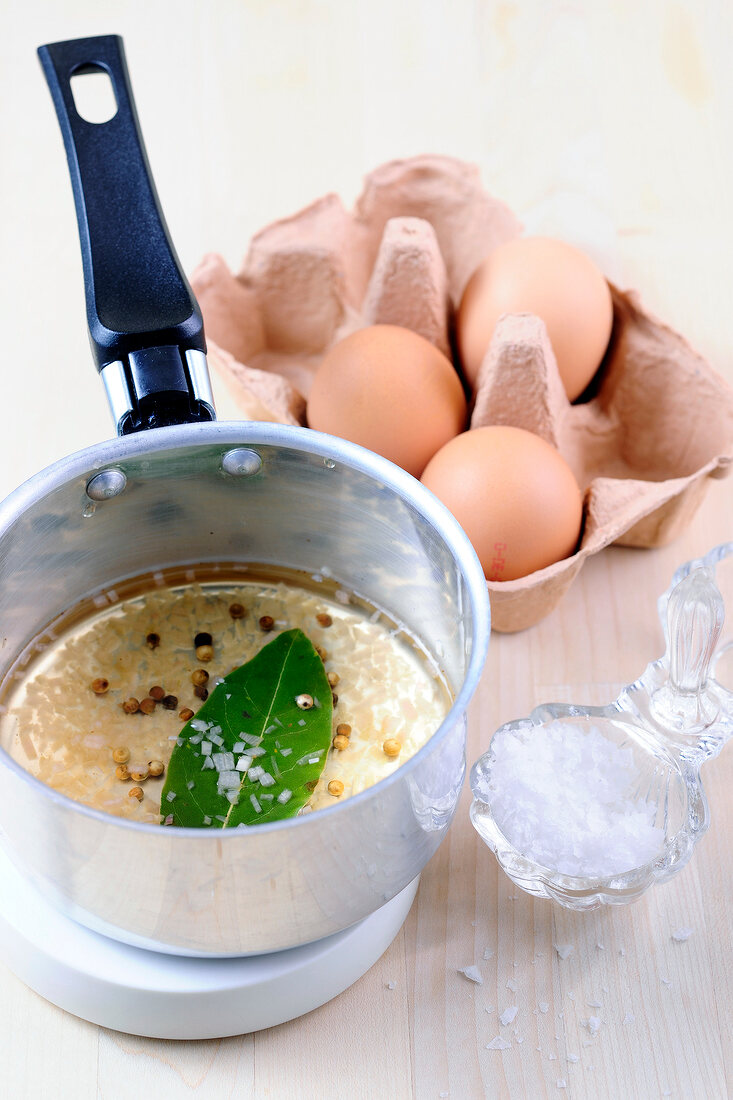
pixel 674 718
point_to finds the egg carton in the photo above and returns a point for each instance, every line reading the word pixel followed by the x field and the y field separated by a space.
pixel 655 424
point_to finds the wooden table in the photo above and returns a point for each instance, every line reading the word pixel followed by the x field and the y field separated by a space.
pixel 603 123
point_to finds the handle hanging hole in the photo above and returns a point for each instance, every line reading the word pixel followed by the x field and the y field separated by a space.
pixel 94 94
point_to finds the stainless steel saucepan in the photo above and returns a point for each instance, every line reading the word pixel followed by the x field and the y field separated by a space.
pixel 177 487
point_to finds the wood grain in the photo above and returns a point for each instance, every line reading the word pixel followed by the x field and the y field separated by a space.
pixel 606 124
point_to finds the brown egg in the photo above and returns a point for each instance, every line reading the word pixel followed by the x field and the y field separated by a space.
pixel 553 280
pixel 391 391
pixel 514 495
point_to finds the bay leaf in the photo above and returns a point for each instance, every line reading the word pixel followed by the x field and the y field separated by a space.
pixel 254 708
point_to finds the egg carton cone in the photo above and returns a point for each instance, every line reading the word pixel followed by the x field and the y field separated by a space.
pixel 654 426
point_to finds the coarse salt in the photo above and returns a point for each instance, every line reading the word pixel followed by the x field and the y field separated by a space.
pixel 229 781
pixel 508 1015
pixel 682 934
pixel 472 973
pixel 498 1044
pixel 565 799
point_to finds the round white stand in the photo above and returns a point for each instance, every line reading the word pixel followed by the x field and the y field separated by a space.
pixel 171 997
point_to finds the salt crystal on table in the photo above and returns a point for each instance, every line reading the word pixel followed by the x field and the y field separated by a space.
pixel 682 934
pixel 543 1006
pixel 594 1004
pixel 562 1083
pixel 564 950
pixel 629 1018
pixel 593 1024
pixel 511 985
pixel 507 1016
pixel 498 1044
pixel 573 1057
pixel 473 974
pixel 565 798
pixel 488 954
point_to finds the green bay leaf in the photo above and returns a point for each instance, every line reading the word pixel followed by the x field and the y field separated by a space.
pixel 256 706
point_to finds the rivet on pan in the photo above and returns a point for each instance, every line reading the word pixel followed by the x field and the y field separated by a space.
pixel 329 464
pixel 241 462
pixel 106 484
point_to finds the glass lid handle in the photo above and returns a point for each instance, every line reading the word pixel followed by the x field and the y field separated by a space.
pixel 695 614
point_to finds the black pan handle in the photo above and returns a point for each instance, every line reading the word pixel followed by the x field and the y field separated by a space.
pixel 145 324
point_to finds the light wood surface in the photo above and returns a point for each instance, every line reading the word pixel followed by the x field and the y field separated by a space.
pixel 605 123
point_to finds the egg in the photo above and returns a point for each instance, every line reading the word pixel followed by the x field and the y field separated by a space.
pixel 553 280
pixel 514 495
pixel 390 390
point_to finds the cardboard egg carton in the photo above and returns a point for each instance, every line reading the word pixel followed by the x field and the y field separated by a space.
pixel 655 424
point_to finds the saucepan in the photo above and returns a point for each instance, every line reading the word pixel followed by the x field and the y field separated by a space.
pixel 177 487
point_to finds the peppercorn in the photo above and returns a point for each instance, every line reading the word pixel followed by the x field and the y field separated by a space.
pixel 201 692
pixel 336 787
pixel 391 747
pixel 147 705
pixel 204 652
pixel 131 706
pixel 323 619
pixel 136 792
pixel 237 611
pixel 199 676
pixel 322 653
pixel 343 728
pixel 100 685
pixel 170 702
pixel 304 701
pixel 156 692
pixel 340 742
pixel 153 640
pixel 139 775
pixel 122 771
pixel 202 638
pixel 186 714
pixel 266 622
pixel 333 678
pixel 121 755
pixel 155 768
